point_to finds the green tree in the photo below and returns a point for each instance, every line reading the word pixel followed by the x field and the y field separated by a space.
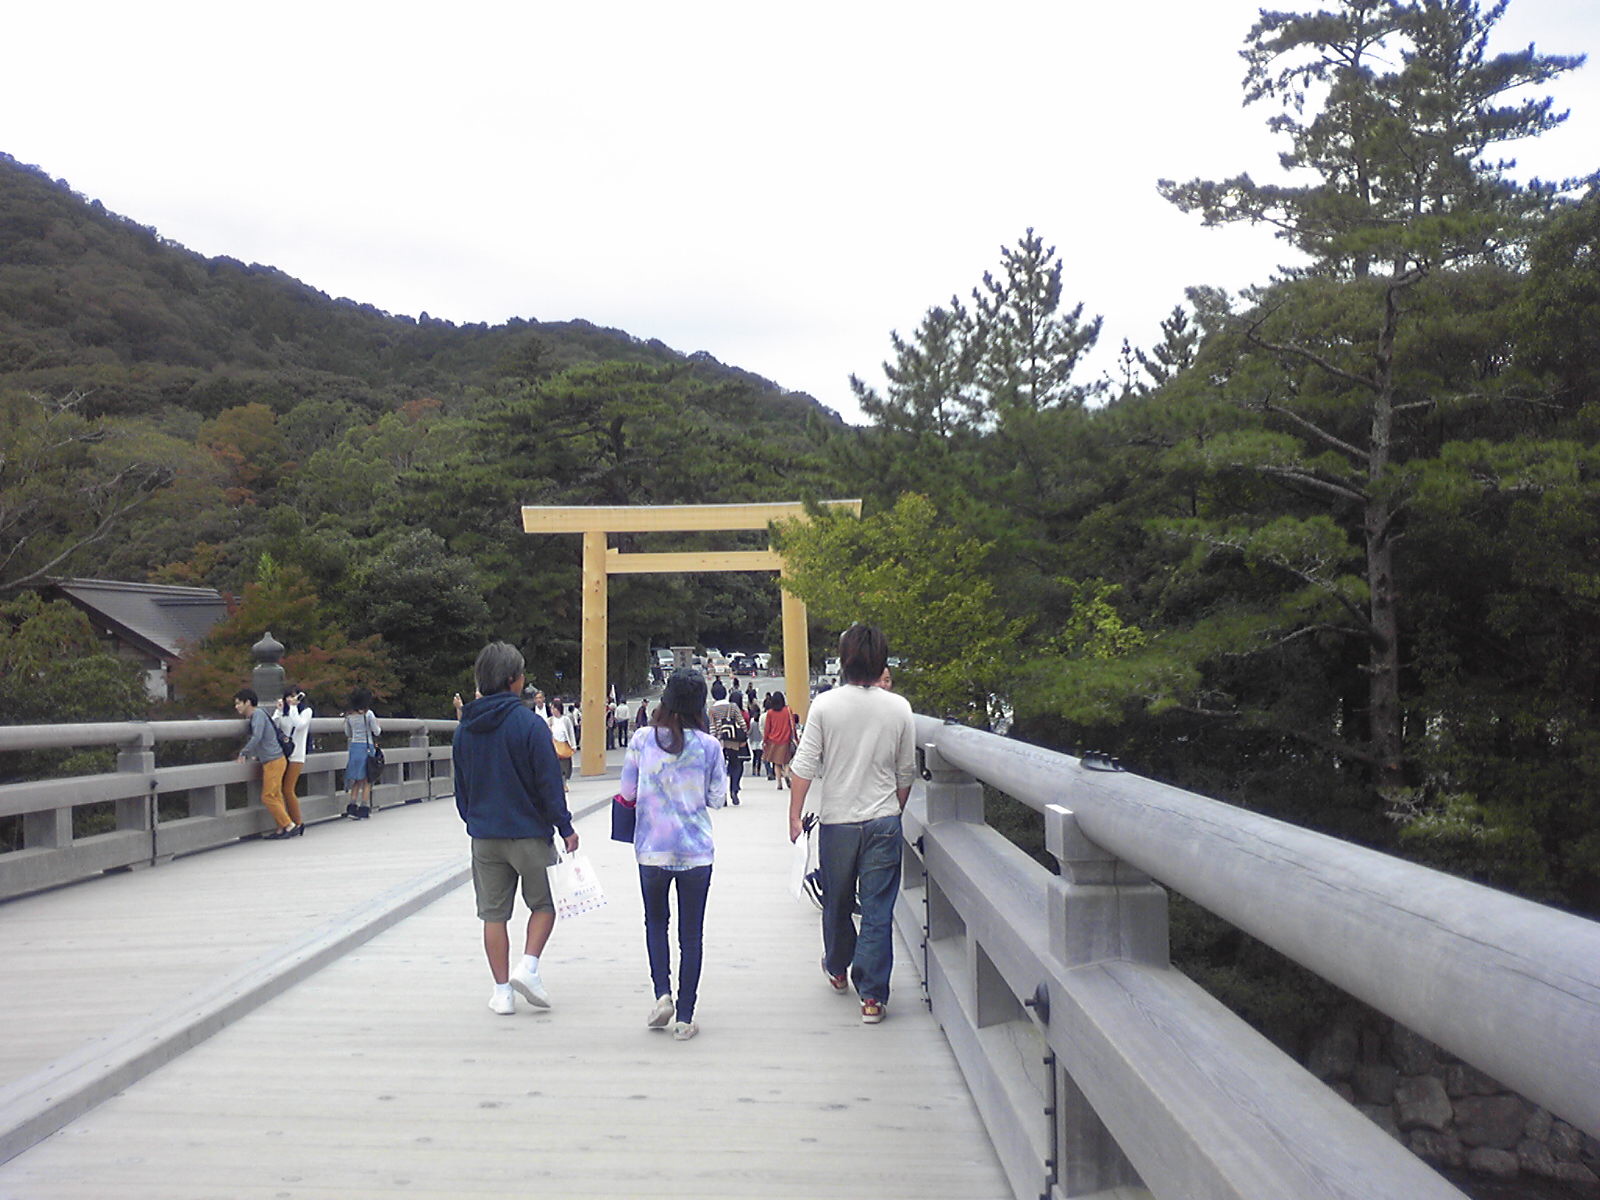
pixel 428 608
pixel 54 669
pixel 320 657
pixel 1400 182
pixel 247 442
pixel 1405 100
pixel 932 377
pixel 67 483
pixel 1180 339
pixel 924 583
pixel 1029 345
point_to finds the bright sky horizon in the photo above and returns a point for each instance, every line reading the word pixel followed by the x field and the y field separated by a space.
pixel 776 188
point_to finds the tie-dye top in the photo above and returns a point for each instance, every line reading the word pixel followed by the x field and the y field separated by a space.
pixel 675 793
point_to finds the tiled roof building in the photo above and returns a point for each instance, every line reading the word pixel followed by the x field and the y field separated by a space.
pixel 149 622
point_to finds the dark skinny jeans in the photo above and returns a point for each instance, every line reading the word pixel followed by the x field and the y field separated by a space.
pixel 693 886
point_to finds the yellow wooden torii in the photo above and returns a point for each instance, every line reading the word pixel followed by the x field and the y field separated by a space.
pixel 599 563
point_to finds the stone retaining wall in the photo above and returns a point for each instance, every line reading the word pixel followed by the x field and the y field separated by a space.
pixel 1447 1112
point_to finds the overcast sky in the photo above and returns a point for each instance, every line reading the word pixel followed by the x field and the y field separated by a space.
pixel 777 185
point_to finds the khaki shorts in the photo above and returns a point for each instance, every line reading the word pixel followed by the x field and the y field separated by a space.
pixel 497 864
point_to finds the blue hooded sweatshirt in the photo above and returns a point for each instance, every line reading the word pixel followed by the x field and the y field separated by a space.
pixel 508 778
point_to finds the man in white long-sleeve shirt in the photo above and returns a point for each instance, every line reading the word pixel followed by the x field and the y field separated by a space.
pixel 859 746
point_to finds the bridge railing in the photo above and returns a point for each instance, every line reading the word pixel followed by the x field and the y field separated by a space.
pixel 51 855
pixel 1097 1065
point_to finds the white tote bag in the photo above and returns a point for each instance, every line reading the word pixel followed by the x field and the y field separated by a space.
pixel 805 871
pixel 574 886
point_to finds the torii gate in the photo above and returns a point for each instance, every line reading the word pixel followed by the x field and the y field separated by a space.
pixel 599 563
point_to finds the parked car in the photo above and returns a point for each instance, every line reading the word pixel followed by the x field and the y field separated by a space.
pixel 740 664
pixel 830 667
pixel 763 661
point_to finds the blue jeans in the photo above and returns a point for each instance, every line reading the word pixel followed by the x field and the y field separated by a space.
pixel 860 861
pixel 693 885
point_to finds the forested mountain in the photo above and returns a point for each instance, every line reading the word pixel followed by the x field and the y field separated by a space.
pixel 90 300
pixel 176 418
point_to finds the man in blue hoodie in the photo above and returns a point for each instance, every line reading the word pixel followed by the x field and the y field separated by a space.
pixel 509 792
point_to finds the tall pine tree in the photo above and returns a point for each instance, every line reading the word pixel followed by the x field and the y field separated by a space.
pixel 1391 107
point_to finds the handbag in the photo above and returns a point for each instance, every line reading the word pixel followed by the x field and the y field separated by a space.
pixel 285 742
pixel 574 887
pixel 374 751
pixel 624 818
pixel 563 750
pixel 805 867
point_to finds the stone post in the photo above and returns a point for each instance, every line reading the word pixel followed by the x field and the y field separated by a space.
pixel 267 678
pixel 419 741
pixel 1101 909
pixel 138 813
pixel 953 795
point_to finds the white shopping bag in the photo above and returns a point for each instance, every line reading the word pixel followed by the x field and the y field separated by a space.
pixel 805 871
pixel 574 886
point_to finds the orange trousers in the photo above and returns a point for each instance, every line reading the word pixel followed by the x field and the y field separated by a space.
pixel 291 776
pixel 272 791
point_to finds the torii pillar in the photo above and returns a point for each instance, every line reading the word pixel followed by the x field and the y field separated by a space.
pixel 599 563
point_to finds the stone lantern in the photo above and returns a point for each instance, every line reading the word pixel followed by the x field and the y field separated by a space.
pixel 267 677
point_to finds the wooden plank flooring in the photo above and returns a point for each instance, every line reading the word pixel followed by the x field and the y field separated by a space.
pixel 83 960
pixel 386 1075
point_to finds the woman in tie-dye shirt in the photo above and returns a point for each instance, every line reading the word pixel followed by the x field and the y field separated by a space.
pixel 675 774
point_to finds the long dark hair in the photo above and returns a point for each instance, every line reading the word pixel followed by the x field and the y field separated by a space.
pixel 683 705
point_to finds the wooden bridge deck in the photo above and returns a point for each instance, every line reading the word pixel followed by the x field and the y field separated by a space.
pixel 384 1073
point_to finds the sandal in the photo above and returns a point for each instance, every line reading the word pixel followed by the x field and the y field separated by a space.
pixel 871 1012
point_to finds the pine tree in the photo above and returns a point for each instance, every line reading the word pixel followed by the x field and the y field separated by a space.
pixel 1030 347
pixel 1410 102
pixel 1404 101
pixel 1180 339
pixel 931 377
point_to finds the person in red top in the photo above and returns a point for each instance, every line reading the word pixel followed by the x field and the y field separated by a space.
pixel 778 738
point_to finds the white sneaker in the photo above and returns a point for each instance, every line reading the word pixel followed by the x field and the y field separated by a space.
pixel 661 1014
pixel 530 987
pixel 503 1003
pixel 684 1030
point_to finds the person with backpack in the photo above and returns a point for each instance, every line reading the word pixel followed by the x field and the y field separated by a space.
pixel 263 746
pixel 361 730
pixel 732 729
